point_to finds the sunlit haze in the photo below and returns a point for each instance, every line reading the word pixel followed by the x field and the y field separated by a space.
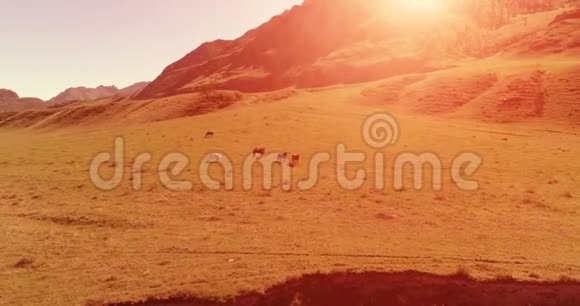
pixel 417 11
pixel 421 6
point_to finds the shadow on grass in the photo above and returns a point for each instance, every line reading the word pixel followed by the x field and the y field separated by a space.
pixel 395 289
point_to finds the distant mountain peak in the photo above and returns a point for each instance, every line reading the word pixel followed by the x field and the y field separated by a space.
pixel 88 94
pixel 8 95
pixel 10 101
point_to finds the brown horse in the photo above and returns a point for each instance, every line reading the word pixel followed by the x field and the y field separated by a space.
pixel 295 160
pixel 282 157
pixel 259 152
pixel 209 134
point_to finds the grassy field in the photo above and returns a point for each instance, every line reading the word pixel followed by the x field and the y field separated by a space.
pixel 63 241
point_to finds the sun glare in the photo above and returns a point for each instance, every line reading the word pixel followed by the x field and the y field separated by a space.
pixel 420 8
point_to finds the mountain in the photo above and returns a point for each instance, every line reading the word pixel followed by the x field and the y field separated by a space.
pixel 324 42
pixel 561 35
pixel 133 89
pixel 89 94
pixel 488 60
pixel 320 42
pixel 11 102
pixel 84 94
pixel 7 95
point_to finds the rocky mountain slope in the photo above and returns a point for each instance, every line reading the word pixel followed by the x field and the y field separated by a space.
pixel 326 42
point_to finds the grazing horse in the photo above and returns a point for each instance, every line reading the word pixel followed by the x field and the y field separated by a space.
pixel 209 134
pixel 282 157
pixel 214 157
pixel 259 152
pixel 295 160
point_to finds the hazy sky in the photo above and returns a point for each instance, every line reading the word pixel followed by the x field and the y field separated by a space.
pixel 48 46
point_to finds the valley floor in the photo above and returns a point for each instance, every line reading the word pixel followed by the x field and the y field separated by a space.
pixel 65 242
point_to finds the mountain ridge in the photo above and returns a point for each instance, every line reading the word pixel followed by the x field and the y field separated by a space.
pixel 82 93
pixel 323 42
pixel 10 101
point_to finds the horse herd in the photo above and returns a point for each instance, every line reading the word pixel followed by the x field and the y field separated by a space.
pixel 291 160
pixel 283 158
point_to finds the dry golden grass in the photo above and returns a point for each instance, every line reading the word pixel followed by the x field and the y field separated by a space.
pixel 65 242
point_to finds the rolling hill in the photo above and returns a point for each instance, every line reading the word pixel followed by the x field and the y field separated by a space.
pixel 11 102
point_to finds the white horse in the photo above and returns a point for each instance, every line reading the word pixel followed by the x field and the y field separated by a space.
pixel 214 157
